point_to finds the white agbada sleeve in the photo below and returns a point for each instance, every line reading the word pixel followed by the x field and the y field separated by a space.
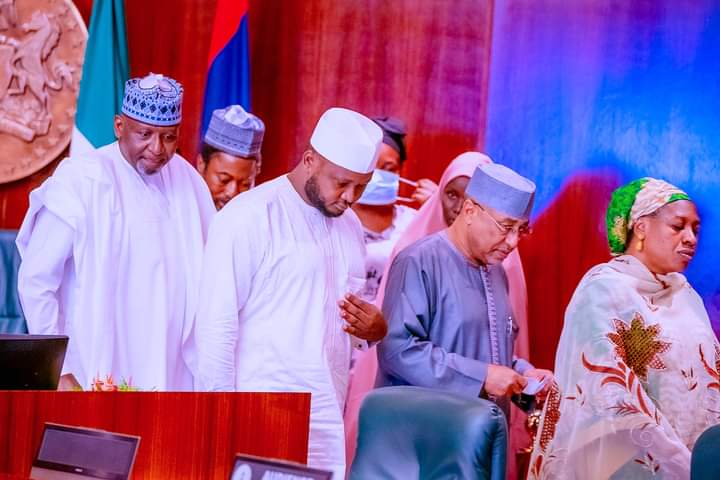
pixel 42 272
pixel 229 266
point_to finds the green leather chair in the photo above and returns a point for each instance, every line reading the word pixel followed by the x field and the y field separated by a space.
pixel 11 316
pixel 418 433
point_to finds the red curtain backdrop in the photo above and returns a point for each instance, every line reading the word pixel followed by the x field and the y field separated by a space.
pixel 566 227
pixel 424 63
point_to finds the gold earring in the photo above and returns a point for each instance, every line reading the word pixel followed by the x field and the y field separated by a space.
pixel 639 246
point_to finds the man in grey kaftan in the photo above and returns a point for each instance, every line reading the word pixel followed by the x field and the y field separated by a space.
pixel 450 321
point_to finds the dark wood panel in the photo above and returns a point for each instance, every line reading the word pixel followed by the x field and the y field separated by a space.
pixel 184 435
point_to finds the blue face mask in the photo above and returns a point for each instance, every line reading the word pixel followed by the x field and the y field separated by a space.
pixel 382 189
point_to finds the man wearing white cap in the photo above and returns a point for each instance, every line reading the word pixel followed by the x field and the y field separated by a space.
pixel 111 249
pixel 229 159
pixel 450 324
pixel 281 264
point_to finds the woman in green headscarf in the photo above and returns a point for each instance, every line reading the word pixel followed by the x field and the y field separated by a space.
pixel 637 364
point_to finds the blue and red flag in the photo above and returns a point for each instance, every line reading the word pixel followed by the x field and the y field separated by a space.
pixel 228 77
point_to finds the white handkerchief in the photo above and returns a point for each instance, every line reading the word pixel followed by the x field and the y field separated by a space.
pixel 533 386
pixel 359 343
pixel 355 285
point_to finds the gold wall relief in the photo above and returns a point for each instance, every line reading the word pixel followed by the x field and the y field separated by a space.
pixel 42 46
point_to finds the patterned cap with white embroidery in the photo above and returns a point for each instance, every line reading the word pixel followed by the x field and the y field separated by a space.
pixel 154 99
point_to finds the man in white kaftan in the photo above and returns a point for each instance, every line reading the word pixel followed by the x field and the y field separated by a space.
pixel 279 261
pixel 111 249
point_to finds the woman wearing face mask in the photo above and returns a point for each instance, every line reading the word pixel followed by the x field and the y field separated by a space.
pixel 437 213
pixel 637 366
pixel 384 222
pixel 383 219
pixel 393 154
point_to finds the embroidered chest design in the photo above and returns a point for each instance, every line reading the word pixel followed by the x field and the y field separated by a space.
pixel 638 345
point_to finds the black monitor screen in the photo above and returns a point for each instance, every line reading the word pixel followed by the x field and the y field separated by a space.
pixel 31 362
pixel 248 467
pixel 85 451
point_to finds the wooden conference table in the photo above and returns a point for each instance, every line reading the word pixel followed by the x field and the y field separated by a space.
pixel 183 435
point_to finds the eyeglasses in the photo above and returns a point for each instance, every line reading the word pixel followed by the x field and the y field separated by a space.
pixel 519 230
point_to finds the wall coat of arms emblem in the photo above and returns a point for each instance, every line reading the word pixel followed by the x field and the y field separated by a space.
pixel 42 45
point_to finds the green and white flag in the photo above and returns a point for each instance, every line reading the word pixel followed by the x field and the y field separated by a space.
pixel 105 70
